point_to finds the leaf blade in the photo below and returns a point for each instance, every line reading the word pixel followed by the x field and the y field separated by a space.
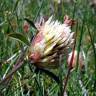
pixel 19 37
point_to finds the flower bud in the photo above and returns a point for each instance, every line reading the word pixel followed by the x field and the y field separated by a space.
pixel 73 60
pixel 26 26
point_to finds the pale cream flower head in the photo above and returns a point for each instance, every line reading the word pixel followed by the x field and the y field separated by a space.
pixel 51 40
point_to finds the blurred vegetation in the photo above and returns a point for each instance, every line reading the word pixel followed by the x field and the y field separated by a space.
pixel 26 82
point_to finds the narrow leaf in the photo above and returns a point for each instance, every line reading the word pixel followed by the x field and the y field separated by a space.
pixel 30 22
pixel 19 37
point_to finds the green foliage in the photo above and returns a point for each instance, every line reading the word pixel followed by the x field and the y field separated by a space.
pixel 19 37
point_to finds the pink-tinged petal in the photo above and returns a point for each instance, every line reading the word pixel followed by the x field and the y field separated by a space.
pixel 39 37
pixel 35 56
pixel 68 21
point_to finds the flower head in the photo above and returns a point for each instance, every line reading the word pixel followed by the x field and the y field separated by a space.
pixel 51 41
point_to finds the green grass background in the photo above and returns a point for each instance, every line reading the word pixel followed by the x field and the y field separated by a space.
pixel 26 82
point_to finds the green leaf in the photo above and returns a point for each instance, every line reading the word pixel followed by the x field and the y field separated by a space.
pixel 30 22
pixel 16 4
pixel 19 37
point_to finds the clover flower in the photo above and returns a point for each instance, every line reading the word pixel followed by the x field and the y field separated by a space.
pixel 51 41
